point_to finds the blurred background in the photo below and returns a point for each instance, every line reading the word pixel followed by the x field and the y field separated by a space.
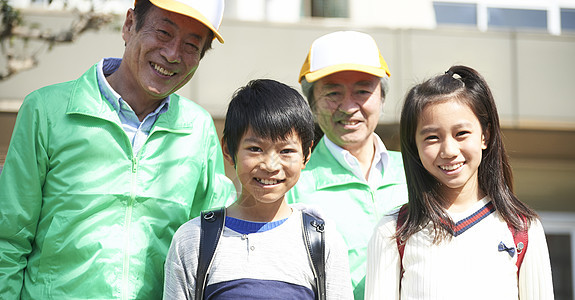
pixel 524 48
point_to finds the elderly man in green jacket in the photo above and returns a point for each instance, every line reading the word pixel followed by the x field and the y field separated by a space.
pixel 350 177
pixel 102 170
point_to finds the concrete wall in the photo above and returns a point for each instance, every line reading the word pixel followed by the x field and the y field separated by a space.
pixel 530 74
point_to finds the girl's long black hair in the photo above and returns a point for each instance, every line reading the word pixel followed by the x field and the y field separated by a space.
pixel 466 85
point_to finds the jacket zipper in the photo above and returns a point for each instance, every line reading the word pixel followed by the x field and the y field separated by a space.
pixel 128 218
pixel 125 288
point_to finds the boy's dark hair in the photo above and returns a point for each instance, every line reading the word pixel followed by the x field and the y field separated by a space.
pixel 466 85
pixel 272 110
pixel 141 9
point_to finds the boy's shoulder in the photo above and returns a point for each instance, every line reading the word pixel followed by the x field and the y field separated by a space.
pixel 189 231
pixel 330 228
pixel 310 209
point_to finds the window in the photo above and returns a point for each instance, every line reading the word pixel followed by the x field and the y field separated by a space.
pixel 455 13
pixel 567 19
pixel 560 233
pixel 560 255
pixel 535 15
pixel 329 8
pixel 517 18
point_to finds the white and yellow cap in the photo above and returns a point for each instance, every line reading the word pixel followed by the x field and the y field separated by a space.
pixel 343 51
pixel 207 12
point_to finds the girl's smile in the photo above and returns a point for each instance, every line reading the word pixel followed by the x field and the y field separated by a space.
pixel 452 167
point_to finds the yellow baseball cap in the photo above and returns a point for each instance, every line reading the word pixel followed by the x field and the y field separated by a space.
pixel 343 51
pixel 207 12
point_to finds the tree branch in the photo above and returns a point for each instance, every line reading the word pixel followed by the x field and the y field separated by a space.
pixel 13 31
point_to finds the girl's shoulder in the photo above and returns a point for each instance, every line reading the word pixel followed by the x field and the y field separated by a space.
pixel 536 227
pixel 388 223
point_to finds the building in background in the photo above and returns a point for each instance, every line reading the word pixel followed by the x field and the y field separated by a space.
pixel 525 49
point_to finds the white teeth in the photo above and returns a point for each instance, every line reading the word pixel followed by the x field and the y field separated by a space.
pixel 267 181
pixel 451 167
pixel 349 122
pixel 162 70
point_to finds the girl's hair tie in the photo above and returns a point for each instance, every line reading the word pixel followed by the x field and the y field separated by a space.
pixel 452 74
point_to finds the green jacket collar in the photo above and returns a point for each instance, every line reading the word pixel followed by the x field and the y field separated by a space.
pixel 328 172
pixel 86 99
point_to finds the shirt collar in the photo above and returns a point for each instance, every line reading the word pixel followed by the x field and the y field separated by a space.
pixel 105 68
pixel 350 162
pixel 381 153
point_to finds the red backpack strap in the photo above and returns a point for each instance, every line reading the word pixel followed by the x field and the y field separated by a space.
pixel 401 217
pixel 520 238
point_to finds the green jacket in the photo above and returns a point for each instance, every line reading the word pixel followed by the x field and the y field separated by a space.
pixel 350 202
pixel 82 217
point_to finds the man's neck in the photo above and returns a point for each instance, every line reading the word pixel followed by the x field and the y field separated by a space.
pixel 142 105
pixel 364 153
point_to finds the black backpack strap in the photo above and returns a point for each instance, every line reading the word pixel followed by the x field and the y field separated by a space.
pixel 212 225
pixel 314 237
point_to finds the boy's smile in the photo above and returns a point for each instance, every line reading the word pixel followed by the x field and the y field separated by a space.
pixel 267 169
pixel 268 181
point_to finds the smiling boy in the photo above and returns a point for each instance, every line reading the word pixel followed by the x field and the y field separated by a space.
pixel 268 136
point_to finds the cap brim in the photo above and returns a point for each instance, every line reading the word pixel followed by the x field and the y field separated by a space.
pixel 186 10
pixel 313 76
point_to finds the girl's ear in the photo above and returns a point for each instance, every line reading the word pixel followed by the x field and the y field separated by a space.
pixel 227 156
pixel 485 137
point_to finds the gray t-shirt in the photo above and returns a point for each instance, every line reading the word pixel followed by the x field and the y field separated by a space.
pixel 270 262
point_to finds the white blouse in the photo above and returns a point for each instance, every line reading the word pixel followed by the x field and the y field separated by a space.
pixel 469 266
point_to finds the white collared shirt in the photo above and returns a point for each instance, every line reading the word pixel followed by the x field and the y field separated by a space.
pixel 351 163
pixel 137 131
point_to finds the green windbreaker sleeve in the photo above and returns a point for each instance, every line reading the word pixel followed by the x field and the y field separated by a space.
pixel 215 187
pixel 21 184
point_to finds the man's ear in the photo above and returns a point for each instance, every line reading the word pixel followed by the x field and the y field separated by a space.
pixel 129 26
pixel 227 156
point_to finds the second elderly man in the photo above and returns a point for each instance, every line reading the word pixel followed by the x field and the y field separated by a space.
pixel 351 176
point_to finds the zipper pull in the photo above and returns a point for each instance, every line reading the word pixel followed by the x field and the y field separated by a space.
pixel 134 164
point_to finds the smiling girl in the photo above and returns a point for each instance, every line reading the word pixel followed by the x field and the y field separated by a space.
pixel 457 235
